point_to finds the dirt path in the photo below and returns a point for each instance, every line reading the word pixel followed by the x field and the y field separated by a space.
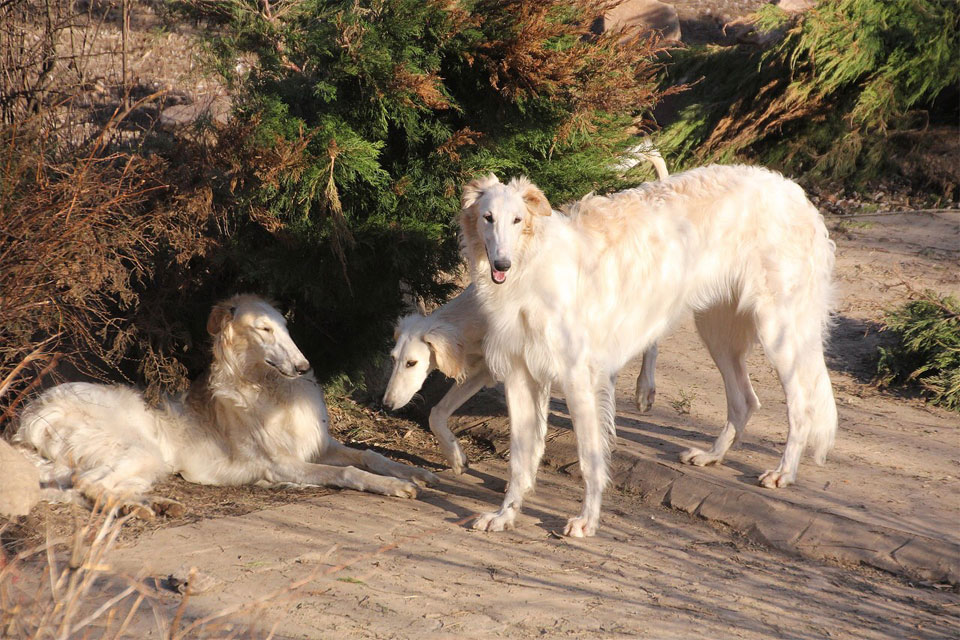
pixel 650 573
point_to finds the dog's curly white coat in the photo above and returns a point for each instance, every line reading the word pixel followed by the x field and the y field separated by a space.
pixel 573 298
pixel 257 416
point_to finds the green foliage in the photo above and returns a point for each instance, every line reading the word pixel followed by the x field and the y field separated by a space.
pixel 927 351
pixel 364 119
pixel 828 94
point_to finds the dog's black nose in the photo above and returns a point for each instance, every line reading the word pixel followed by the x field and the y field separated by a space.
pixel 303 367
pixel 501 265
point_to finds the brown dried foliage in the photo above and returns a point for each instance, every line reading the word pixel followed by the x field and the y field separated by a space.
pixel 80 239
pixel 457 139
pixel 99 231
pixel 425 87
pixel 546 56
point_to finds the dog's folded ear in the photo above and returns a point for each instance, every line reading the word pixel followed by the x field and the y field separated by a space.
pixel 221 314
pixel 473 190
pixel 536 202
pixel 447 347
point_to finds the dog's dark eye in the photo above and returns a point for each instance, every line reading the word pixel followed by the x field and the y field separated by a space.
pixel 266 329
pixel 411 363
pixel 516 220
pixel 488 217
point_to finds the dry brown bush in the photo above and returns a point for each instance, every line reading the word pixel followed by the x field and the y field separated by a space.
pixel 94 217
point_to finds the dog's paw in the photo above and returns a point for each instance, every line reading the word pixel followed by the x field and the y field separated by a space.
pixel 580 527
pixel 423 478
pixel 698 458
pixel 776 479
pixel 496 521
pixel 167 507
pixel 138 508
pixel 403 489
pixel 455 457
pixel 645 398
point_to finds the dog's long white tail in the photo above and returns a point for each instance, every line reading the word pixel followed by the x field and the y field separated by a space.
pixel 645 151
pixel 823 431
pixel 824 406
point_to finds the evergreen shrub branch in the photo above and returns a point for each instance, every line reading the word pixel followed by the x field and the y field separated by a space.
pixel 927 351
pixel 826 97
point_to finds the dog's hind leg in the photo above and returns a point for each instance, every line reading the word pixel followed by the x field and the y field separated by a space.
pixel 796 351
pixel 340 455
pixel 527 406
pixel 126 483
pixel 729 336
pixel 646 385
pixel 440 414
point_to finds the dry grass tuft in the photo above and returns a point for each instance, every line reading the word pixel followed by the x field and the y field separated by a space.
pixel 66 588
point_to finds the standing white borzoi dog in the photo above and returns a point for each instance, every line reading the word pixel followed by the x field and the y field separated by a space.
pixel 573 298
pixel 451 340
pixel 257 416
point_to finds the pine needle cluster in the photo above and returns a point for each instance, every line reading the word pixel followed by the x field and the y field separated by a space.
pixel 927 351
pixel 829 96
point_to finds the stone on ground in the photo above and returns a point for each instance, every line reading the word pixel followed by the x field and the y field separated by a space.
pixel 19 482
pixel 641 16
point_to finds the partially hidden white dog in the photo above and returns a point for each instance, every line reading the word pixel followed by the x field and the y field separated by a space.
pixel 257 416
pixel 451 340
pixel 572 298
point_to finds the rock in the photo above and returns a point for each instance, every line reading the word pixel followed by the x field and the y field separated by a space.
pixel 640 16
pixel 189 578
pixel 19 482
pixel 214 108
pixel 796 6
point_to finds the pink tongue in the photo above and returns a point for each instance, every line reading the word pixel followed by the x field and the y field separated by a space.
pixel 499 276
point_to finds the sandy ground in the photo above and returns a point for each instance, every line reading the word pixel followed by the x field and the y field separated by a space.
pixel 649 573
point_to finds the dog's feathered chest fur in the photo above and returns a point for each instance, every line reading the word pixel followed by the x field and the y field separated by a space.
pixel 284 417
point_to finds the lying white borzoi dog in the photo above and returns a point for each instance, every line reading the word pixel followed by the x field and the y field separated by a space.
pixel 572 298
pixel 451 340
pixel 257 416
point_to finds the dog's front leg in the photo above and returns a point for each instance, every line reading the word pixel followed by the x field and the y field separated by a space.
pixel 300 472
pixel 593 444
pixel 440 415
pixel 527 406
pixel 341 455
